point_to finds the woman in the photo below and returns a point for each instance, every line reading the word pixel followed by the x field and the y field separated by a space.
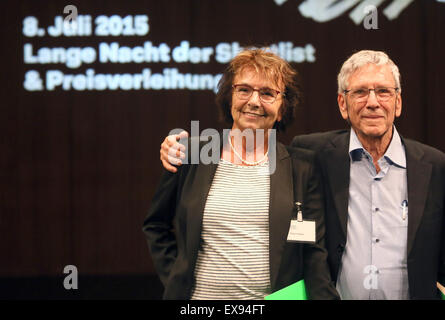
pixel 231 220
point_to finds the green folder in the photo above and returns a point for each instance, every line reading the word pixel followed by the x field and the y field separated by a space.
pixel 443 296
pixel 296 291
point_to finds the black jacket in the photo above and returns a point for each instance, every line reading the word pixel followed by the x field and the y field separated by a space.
pixel 426 197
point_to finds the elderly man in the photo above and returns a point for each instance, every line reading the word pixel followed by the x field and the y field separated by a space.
pixel 385 195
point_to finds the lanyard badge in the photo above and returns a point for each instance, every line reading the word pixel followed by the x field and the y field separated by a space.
pixel 301 230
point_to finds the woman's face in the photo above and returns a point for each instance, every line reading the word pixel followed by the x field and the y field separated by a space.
pixel 253 113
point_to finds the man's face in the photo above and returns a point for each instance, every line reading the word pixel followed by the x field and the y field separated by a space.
pixel 253 113
pixel 371 118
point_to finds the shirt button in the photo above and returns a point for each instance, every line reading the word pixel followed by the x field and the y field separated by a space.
pixel 377 209
pixel 377 240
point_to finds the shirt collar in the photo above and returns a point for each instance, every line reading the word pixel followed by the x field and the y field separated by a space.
pixel 394 154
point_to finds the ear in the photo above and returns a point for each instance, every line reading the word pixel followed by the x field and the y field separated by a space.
pixel 280 114
pixel 341 100
pixel 398 105
pixel 281 111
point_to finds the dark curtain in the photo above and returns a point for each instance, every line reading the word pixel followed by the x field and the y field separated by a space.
pixel 79 168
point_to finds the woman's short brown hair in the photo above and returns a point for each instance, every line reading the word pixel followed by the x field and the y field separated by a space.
pixel 274 69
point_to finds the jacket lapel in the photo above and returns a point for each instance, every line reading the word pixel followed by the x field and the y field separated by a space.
pixel 280 209
pixel 418 176
pixel 202 178
pixel 336 160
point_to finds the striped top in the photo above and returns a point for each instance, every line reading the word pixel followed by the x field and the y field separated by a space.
pixel 233 261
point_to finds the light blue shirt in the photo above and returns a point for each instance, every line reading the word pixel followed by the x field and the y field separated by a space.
pixel 374 263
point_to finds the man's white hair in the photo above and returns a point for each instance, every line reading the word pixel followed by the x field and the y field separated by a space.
pixel 361 59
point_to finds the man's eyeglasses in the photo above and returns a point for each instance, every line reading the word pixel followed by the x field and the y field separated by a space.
pixel 382 94
pixel 244 92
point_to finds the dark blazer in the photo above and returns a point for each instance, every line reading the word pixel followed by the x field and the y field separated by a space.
pixel 173 225
pixel 426 198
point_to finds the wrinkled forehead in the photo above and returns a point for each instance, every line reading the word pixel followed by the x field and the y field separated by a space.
pixel 267 77
pixel 372 74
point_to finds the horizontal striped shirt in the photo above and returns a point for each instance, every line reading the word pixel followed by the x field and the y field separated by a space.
pixel 233 261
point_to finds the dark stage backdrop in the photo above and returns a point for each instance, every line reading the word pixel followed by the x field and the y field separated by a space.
pixel 85 107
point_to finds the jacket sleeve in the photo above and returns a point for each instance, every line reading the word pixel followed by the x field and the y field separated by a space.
pixel 158 224
pixel 441 275
pixel 316 269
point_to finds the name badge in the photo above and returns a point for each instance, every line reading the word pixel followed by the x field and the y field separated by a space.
pixel 301 231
